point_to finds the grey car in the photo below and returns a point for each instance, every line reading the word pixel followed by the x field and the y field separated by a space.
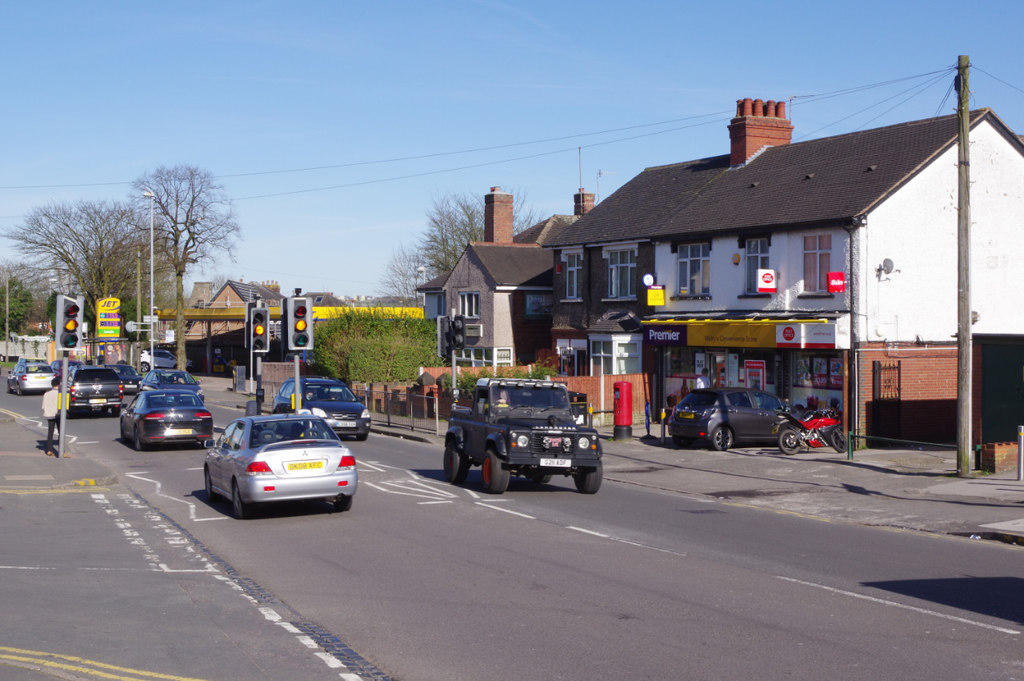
pixel 280 457
pixel 725 416
pixel 30 377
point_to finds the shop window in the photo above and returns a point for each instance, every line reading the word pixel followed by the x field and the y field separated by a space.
pixel 817 262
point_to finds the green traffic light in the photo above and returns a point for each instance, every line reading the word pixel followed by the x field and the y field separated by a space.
pixel 300 340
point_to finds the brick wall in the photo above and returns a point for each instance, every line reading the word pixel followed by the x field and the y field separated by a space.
pixel 927 407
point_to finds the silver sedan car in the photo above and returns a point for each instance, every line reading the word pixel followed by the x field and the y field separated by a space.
pixel 279 457
pixel 30 377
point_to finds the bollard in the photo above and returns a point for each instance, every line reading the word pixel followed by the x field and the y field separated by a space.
pixel 1020 453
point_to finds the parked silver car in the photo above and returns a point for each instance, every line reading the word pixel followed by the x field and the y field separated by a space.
pixel 279 457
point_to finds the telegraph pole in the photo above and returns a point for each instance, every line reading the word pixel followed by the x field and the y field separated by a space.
pixel 963 275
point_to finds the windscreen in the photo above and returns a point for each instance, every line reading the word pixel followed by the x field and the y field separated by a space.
pixel 533 397
pixel 285 430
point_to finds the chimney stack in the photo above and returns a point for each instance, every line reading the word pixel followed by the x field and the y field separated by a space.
pixel 583 203
pixel 498 217
pixel 757 125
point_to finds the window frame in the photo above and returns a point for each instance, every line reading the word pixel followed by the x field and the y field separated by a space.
pixel 756 259
pixel 621 273
pixel 573 271
pixel 469 304
pixel 687 259
pixel 817 250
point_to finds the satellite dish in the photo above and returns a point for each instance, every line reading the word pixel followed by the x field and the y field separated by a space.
pixel 887 266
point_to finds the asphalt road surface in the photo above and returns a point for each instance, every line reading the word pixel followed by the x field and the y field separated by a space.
pixel 422 580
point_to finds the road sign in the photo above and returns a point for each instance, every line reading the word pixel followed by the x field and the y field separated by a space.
pixel 150 319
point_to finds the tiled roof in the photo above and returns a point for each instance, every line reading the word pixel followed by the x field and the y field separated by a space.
pixel 542 231
pixel 515 264
pixel 829 180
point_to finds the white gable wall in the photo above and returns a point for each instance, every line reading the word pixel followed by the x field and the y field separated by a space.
pixel 916 229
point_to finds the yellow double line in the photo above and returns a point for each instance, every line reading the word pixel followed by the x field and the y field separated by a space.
pixel 39 660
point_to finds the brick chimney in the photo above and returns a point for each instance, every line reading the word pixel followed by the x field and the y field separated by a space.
pixel 498 217
pixel 583 203
pixel 757 125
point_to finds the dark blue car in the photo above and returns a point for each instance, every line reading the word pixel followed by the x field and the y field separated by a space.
pixel 329 399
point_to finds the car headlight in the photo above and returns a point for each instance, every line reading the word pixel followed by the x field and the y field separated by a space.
pixel 317 411
pixel 584 443
pixel 365 414
pixel 521 440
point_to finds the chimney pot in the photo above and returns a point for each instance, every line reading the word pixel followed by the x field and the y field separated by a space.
pixel 760 126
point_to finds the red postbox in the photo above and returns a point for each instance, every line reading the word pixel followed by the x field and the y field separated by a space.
pixel 623 410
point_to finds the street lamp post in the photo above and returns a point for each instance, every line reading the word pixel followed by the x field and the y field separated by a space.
pixel 151 196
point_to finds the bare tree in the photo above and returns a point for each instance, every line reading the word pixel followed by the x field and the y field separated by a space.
pixel 403 274
pixel 452 222
pixel 194 220
pixel 86 247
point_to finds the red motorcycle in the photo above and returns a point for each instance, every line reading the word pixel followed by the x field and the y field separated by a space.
pixel 818 428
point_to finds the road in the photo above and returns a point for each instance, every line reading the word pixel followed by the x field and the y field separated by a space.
pixel 424 580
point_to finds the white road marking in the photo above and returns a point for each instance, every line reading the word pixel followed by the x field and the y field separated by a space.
pixel 505 510
pixel 894 604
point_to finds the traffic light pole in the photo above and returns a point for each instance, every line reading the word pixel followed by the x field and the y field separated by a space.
pixel 62 404
pixel 297 391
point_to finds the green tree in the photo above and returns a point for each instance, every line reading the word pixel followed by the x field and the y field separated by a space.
pixel 369 346
pixel 17 304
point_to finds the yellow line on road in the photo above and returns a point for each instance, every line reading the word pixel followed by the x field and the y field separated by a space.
pixel 29 658
pixel 78 489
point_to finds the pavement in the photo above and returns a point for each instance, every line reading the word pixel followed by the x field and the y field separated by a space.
pixel 908 489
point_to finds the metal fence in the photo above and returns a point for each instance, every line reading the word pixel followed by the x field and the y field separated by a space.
pixel 401 408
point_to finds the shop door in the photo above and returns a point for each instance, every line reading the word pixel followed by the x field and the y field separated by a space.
pixel 1002 390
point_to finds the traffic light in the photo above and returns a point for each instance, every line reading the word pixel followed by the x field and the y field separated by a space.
pixel 69 322
pixel 444 337
pixel 259 329
pixel 458 332
pixel 299 323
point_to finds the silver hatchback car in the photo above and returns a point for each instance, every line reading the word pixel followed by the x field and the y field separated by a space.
pixel 280 457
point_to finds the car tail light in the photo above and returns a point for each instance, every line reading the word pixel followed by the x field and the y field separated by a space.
pixel 258 467
pixel 204 415
pixel 347 461
pixel 154 415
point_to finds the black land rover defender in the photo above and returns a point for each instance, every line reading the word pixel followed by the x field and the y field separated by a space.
pixel 522 427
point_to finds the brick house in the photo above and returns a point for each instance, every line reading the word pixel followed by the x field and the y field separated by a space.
pixel 857 235
pixel 502 285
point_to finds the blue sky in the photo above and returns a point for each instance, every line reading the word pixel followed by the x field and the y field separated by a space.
pixel 335 125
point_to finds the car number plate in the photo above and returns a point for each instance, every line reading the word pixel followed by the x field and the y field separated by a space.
pixel 304 465
pixel 345 424
pixel 556 463
pixel 98 400
pixel 688 415
pixel 178 431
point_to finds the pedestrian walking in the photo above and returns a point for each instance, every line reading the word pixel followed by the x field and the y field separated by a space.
pixel 51 410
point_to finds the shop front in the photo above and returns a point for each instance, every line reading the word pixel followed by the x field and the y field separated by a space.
pixel 795 359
